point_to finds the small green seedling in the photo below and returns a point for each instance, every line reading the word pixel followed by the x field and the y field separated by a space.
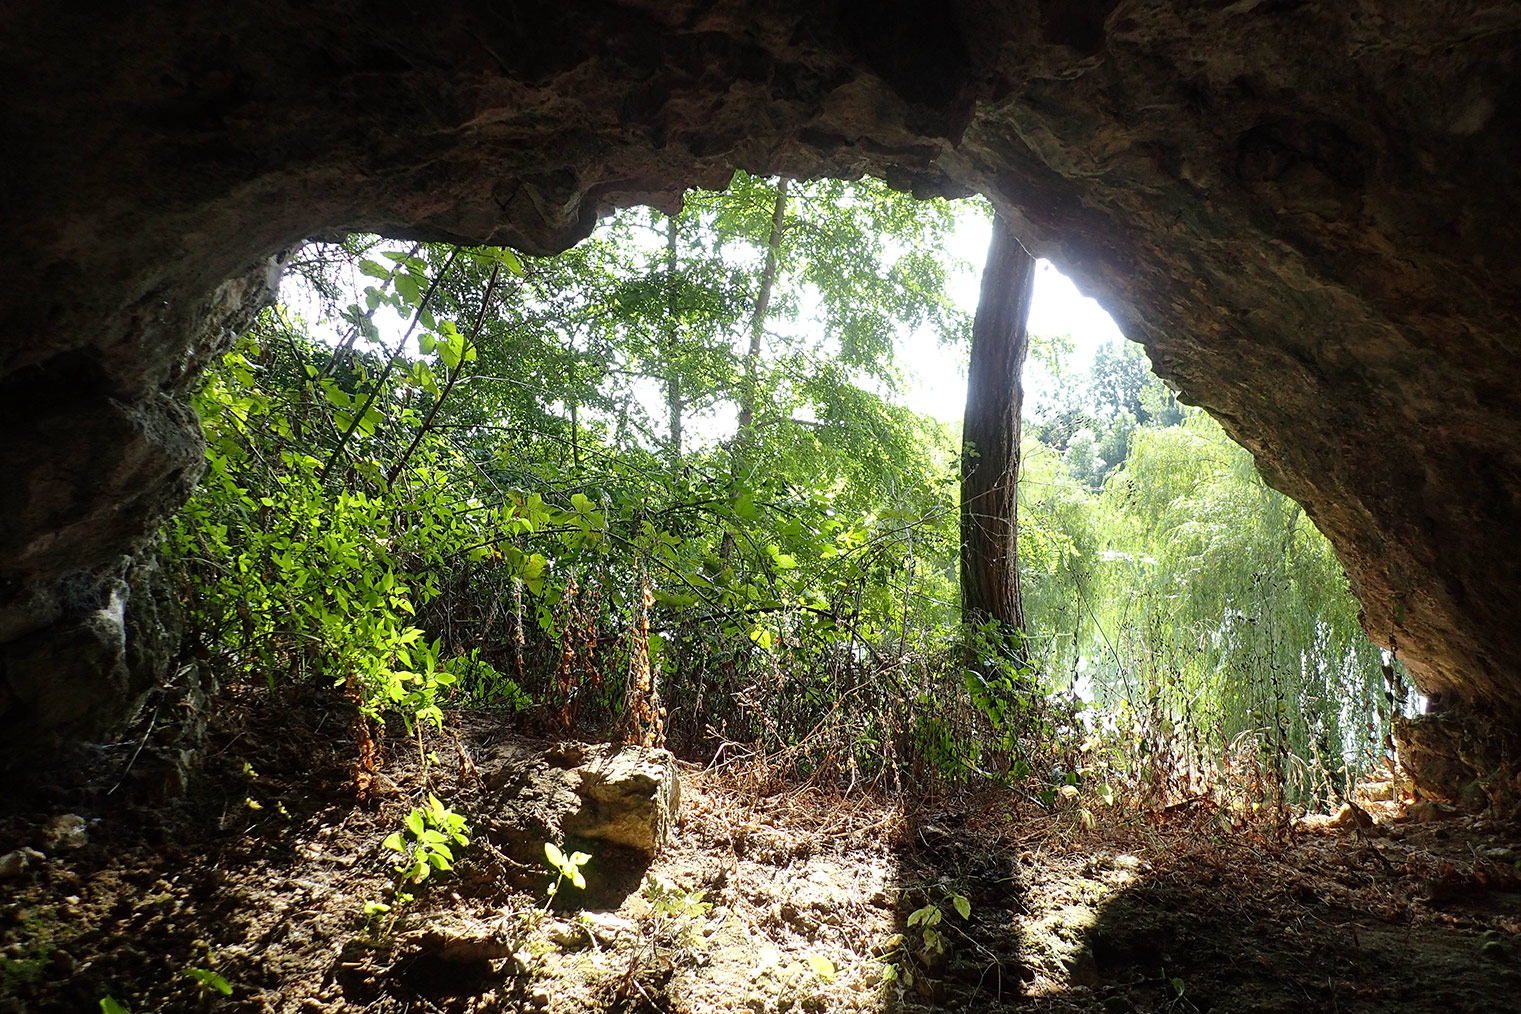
pixel 433 828
pixel 567 868
pixel 933 943
pixel 210 980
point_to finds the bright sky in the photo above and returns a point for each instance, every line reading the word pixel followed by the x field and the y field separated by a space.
pixel 1058 308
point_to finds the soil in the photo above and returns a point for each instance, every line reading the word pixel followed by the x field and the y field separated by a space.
pixel 764 901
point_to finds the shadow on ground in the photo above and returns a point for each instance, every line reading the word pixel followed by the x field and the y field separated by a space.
pixel 1171 912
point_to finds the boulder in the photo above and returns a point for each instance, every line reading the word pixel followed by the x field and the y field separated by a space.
pixel 627 797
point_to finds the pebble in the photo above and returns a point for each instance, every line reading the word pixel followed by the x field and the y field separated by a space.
pixel 65 832
pixel 568 935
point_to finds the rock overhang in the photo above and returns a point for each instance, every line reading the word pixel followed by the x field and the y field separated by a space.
pixel 1303 210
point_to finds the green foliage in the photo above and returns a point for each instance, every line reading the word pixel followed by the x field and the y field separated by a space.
pixel 294 570
pixel 675 917
pixel 927 942
pixel 209 981
pixel 567 867
pixel 1090 419
pixel 431 832
pixel 1211 624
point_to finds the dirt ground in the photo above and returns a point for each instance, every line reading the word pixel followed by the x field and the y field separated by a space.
pixel 257 882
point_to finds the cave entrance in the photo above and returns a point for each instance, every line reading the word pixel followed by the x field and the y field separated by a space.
pixel 671 484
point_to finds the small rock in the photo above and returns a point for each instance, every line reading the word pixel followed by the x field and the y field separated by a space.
pixel 568 936
pixel 539 996
pixel 65 832
pixel 1501 855
pixel 1494 950
pixel 13 864
pixel 630 796
pixel 63 963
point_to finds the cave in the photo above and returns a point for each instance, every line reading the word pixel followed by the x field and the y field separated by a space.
pixel 1303 209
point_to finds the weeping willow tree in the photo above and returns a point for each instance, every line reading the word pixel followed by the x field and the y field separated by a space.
pixel 1224 621
pixel 1060 541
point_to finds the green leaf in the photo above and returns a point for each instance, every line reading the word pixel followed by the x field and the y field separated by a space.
pixel 408 289
pixel 555 856
pixel 108 1005
pixel 368 267
pixel 394 842
pixel 414 822
pixel 822 966
pixel 210 980
pixel 962 905
pixel 451 350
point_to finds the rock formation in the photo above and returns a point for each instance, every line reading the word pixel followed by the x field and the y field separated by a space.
pixel 1303 208
pixel 625 796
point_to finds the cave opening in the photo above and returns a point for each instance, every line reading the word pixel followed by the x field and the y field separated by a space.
pixel 1303 212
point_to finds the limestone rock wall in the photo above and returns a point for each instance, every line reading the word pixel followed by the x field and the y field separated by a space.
pixel 1304 208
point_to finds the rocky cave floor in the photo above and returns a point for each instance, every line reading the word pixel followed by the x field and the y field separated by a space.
pixel 260 876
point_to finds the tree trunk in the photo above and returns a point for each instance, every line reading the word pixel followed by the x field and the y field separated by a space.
pixel 990 440
pixel 673 394
pixel 758 321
